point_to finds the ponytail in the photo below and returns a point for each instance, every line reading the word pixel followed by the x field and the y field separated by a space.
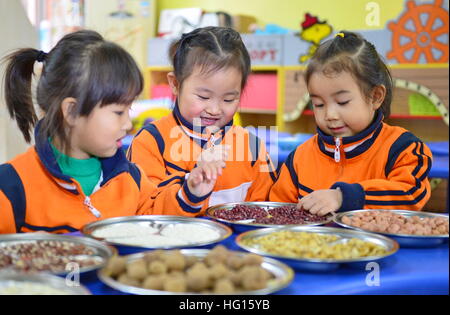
pixel 83 66
pixel 18 94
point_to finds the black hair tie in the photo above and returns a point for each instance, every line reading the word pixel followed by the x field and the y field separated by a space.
pixel 41 56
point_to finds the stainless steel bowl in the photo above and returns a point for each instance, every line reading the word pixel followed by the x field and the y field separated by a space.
pixel 245 225
pixel 283 276
pixel 321 265
pixel 16 283
pixel 102 252
pixel 159 221
pixel 405 240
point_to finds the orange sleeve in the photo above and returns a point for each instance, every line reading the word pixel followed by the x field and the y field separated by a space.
pixel 285 188
pixel 145 151
pixel 172 199
pixel 264 177
pixel 7 222
pixel 406 186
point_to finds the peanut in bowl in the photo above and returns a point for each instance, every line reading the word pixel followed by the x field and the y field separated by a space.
pixel 408 228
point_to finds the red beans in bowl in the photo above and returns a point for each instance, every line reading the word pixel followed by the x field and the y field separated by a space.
pixel 241 212
pixel 280 215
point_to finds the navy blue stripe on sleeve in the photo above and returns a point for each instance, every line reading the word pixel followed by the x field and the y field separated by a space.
pixel 429 163
pixel 54 229
pixel 397 202
pixel 419 146
pixel 290 166
pixel 193 198
pixel 135 174
pixel 272 172
pixel 12 187
pixel 400 145
pixel 186 207
pixel 166 182
pixel 304 188
pixel 175 167
pixel 157 135
pixel 254 144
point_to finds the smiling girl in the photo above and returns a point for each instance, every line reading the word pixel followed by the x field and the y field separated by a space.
pixel 355 160
pixel 210 70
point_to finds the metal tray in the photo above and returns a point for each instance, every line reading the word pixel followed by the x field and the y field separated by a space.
pixel 405 240
pixel 283 276
pixel 101 250
pixel 243 226
pixel 322 265
pixel 10 278
pixel 160 221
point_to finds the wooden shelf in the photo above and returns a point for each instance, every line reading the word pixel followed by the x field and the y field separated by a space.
pixel 308 112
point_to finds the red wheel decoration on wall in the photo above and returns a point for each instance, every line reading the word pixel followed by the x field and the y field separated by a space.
pixel 423 38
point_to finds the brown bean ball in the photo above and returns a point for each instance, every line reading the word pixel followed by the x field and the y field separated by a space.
pixel 116 265
pixel 137 269
pixel 224 286
pixel 124 279
pixel 157 267
pixel 235 262
pixel 154 255
pixel 199 266
pixel 218 271
pixel 154 282
pixel 175 260
pixel 253 260
pixel 254 278
pixel 190 261
pixel 235 278
pixel 217 255
pixel 175 284
pixel 197 280
pixel 176 273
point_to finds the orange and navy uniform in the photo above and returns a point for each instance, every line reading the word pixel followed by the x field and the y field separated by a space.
pixel 168 149
pixel 36 196
pixel 383 167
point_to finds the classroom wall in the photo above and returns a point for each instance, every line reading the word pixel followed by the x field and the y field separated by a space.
pixel 290 13
pixel 131 33
pixel 12 17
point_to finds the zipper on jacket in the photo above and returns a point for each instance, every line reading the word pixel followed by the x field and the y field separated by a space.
pixel 337 150
pixel 95 212
pixel 212 140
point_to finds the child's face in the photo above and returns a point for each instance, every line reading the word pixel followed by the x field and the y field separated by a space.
pixel 100 133
pixel 209 99
pixel 340 109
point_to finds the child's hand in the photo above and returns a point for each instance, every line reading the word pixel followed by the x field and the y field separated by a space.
pixel 321 202
pixel 202 179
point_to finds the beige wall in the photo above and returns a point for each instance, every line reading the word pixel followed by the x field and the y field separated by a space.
pixel 342 14
pixel 131 33
pixel 15 32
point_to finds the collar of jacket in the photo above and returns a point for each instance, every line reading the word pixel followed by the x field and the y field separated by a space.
pixel 199 134
pixel 111 166
pixel 354 145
